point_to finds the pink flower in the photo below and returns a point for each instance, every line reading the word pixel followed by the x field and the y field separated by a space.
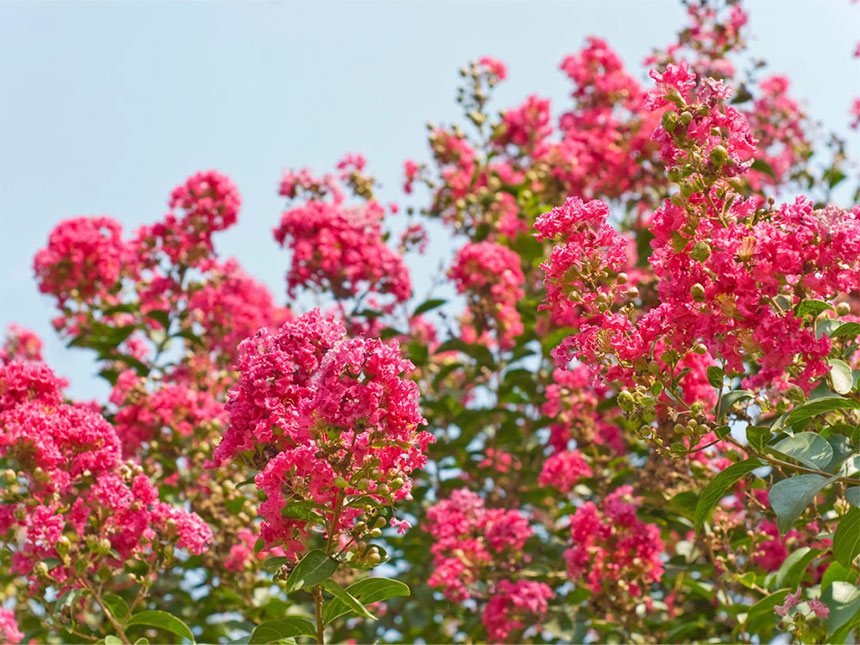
pixel 9 631
pixel 511 604
pixel 790 601
pixel 819 608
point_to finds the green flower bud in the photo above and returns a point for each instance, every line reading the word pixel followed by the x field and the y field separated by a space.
pixel 670 120
pixel 719 156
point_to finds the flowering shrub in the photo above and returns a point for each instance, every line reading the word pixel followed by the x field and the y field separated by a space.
pixel 630 415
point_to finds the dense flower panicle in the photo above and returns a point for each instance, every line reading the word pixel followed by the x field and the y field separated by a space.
pixel 68 458
pixel 600 80
pixel 492 277
pixel 341 249
pixel 586 265
pixel 525 126
pixel 9 632
pixel 206 203
pixel 322 416
pixel 85 258
pixel 174 408
pixel 563 470
pixel 616 553
pixel 275 374
pixel 469 539
pixel 512 604
pixel 26 381
pixel 21 344
pixel 230 307
pixel 571 401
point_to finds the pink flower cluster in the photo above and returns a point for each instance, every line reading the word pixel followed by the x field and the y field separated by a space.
pixel 20 344
pixel 74 498
pixel 491 276
pixel 563 470
pixel 9 632
pixel 175 408
pixel 613 551
pixel 340 248
pixel 323 416
pixel 571 401
pixel 585 264
pixel 206 203
pixel 85 258
pixel 470 540
pixel 514 606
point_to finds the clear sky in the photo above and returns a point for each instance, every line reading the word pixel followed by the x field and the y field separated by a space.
pixel 105 106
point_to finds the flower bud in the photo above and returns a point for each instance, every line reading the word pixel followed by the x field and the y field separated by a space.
pixel 670 120
pixel 843 309
pixel 697 291
pixel 701 251
pixel 9 476
pixel 719 156
pixel 625 400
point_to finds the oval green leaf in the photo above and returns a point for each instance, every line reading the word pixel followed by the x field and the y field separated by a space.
pixel 366 591
pixel 789 497
pixel 273 631
pixel 342 595
pixel 715 490
pixel 808 448
pixel 162 620
pixel 846 541
pixel 315 568
pixel 817 406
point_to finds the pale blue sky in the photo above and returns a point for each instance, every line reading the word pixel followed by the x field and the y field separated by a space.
pixel 107 105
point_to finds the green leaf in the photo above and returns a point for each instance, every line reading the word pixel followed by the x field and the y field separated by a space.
pixel 837 572
pixel 116 605
pixel 428 305
pixel 162 620
pixel 846 330
pixel 852 495
pixel 715 376
pixel 818 406
pixel 762 166
pixel 843 600
pixel 813 307
pixel 160 316
pixel 808 448
pixel 762 613
pixel 316 567
pixel 841 376
pixel 758 437
pixel 729 399
pixel 367 591
pixel 789 497
pixel 477 351
pixel 187 334
pixel 273 631
pixel 718 486
pixel 110 639
pixel 791 571
pixel 347 599
pixel 846 541
pixel 274 562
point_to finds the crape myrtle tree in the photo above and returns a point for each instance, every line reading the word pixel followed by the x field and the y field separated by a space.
pixel 637 421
